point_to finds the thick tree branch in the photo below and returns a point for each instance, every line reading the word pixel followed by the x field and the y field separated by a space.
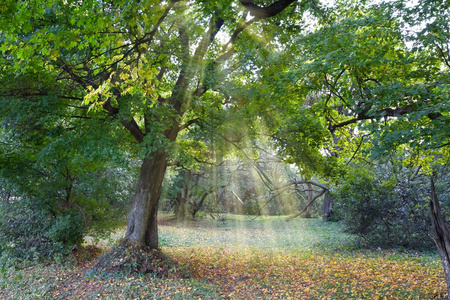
pixel 215 25
pixel 265 12
pixel 259 13
pixel 179 91
pixel 130 125
pixel 440 232
pixel 387 112
pixel 134 129
pixel 189 123
pixel 149 39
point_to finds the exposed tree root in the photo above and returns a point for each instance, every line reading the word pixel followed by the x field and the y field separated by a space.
pixel 125 258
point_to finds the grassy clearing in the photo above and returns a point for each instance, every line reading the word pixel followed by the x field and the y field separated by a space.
pixel 240 258
pixel 264 233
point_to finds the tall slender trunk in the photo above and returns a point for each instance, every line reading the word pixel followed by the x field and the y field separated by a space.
pixel 142 226
pixel 309 193
pixel 327 205
pixel 180 211
pixel 200 203
pixel 441 234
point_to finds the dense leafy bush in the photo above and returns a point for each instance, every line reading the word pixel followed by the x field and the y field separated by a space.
pixel 29 231
pixel 386 205
pixel 43 218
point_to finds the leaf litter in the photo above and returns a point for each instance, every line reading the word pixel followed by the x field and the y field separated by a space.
pixel 196 268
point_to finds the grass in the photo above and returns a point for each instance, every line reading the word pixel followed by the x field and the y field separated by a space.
pixel 241 258
pixel 264 232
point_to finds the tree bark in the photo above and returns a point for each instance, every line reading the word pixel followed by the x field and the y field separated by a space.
pixel 440 234
pixel 309 193
pixel 326 209
pixel 266 12
pixel 180 211
pixel 182 196
pixel 200 203
pixel 142 226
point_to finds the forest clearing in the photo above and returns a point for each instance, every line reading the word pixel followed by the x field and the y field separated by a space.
pixel 233 149
pixel 241 258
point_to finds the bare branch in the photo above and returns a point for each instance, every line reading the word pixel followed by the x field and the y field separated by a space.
pixel 297 182
pixel 357 149
pixel 307 206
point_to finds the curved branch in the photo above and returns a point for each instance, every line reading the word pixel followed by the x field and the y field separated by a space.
pixel 307 206
pixel 189 123
pixel 130 125
pixel 356 151
pixel 265 12
pixel 295 181
pixel 387 112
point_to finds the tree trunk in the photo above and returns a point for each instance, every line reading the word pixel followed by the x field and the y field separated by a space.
pixel 180 212
pixel 440 234
pixel 309 193
pixel 199 204
pixel 142 226
pixel 326 209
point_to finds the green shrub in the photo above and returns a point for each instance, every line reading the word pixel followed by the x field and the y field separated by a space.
pixel 46 217
pixel 385 206
pixel 252 207
pixel 29 232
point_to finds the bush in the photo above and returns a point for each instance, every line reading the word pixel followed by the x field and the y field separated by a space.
pixel 385 206
pixel 46 217
pixel 252 207
pixel 29 232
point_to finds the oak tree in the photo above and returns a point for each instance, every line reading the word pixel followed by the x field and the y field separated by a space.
pixel 156 68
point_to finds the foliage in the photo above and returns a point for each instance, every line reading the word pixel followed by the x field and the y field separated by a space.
pixel 386 205
pixel 358 85
pixel 51 195
pixel 154 70
pixel 57 185
pixel 347 86
pixel 47 215
pixel 370 77
pixel 29 232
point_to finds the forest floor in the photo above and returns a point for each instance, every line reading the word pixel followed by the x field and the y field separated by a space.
pixel 240 258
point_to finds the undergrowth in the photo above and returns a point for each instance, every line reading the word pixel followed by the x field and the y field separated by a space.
pixel 236 258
